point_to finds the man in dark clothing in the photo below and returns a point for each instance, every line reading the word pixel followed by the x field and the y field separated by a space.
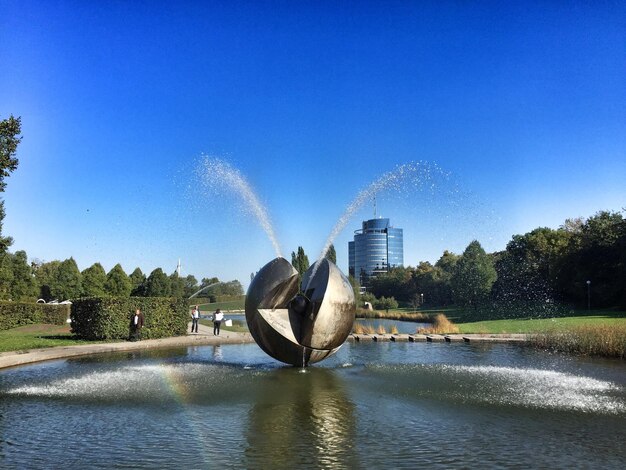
pixel 218 316
pixel 136 324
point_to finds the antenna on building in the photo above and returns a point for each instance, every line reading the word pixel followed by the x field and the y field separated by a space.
pixel 374 205
pixel 178 267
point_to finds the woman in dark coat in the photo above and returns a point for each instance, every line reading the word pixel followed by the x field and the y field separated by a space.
pixel 136 324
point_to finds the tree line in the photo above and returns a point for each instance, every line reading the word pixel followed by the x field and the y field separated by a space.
pixel 62 280
pixel 583 261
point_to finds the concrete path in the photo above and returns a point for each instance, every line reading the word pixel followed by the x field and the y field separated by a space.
pixel 203 337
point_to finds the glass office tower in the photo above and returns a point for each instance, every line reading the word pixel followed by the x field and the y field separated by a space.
pixel 376 248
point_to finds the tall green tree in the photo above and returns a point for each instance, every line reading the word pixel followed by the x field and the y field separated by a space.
pixel 137 283
pixel 23 287
pixel 356 288
pixel 528 268
pixel 158 284
pixel 46 279
pixel 595 254
pixel 396 282
pixel 68 282
pixel 474 276
pixel 94 279
pixel 10 138
pixel 300 261
pixel 177 285
pixel 191 285
pixel 6 276
pixel 331 254
pixel 118 284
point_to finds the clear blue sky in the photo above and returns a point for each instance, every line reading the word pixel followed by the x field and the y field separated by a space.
pixel 525 106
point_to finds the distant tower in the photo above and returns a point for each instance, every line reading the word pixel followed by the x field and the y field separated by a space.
pixel 376 248
pixel 178 267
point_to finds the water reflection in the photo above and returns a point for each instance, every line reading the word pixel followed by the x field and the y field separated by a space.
pixel 376 405
pixel 301 418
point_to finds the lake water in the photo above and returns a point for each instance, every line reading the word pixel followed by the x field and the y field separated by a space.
pixel 375 405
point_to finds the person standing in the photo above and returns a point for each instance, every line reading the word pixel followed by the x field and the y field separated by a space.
pixel 195 316
pixel 136 324
pixel 217 321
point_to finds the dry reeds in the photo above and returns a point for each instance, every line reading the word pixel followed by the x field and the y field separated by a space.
pixel 419 317
pixel 361 329
pixel 441 325
pixel 365 329
pixel 588 340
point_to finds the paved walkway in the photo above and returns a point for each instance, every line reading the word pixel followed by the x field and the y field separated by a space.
pixel 203 337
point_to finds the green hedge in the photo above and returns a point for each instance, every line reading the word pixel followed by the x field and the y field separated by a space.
pixel 105 318
pixel 14 314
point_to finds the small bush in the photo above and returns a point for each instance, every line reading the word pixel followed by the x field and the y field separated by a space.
pixel 14 314
pixel 105 318
pixel 441 325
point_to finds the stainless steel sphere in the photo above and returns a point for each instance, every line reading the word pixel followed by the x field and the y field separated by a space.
pixel 300 328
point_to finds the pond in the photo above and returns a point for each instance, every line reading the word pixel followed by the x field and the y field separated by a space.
pixel 403 327
pixel 371 405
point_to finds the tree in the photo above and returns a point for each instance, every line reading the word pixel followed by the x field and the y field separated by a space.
pixel 474 276
pixel 118 284
pixel 94 279
pixel 191 285
pixel 6 275
pixel 396 282
pixel 597 254
pixel 177 285
pixel 300 261
pixel 10 129
pixel 137 283
pixel 385 303
pixel 232 288
pixel 23 281
pixel 46 279
pixel 356 288
pixel 68 282
pixel 158 284
pixel 331 254
pixel 528 268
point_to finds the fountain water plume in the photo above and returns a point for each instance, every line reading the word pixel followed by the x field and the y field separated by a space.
pixel 412 174
pixel 217 175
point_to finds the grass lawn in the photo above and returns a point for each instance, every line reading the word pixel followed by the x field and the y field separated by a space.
pixel 225 306
pixel 37 336
pixel 538 325
pixel 469 321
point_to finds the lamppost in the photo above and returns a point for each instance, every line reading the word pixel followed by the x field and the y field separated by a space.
pixel 421 299
pixel 588 295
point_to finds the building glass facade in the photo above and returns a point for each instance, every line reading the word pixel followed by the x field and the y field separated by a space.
pixel 376 248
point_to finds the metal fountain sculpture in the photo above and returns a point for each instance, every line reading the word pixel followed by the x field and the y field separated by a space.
pixel 300 325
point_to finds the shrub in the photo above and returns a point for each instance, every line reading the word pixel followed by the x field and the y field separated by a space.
pixel 14 314
pixel 105 318
pixel 441 325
